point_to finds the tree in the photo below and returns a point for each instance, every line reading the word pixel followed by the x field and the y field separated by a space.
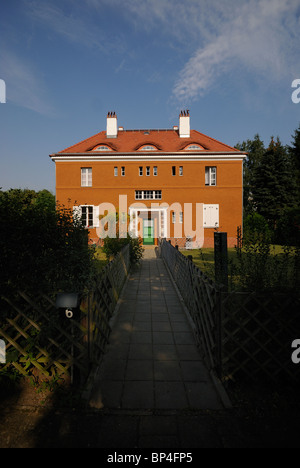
pixel 273 183
pixel 42 248
pixel 294 151
pixel 45 199
pixel 255 228
pixel 255 149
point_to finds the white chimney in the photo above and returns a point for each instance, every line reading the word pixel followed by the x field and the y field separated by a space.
pixel 111 125
pixel 184 124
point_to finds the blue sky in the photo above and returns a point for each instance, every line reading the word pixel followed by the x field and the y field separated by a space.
pixel 67 63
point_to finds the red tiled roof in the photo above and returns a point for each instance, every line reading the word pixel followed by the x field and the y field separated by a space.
pixel 129 141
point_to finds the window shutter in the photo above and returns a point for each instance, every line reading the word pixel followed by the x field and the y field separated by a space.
pixel 215 215
pixel 83 180
pixel 96 221
pixel 77 213
pixel 89 176
pixel 210 216
pixel 207 176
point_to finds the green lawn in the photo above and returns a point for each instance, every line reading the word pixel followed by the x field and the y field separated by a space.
pixel 278 266
pixel 100 258
pixel 204 259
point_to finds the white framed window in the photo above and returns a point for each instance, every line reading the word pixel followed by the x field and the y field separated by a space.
pixel 115 171
pixel 147 170
pixel 210 175
pixel 147 147
pixel 173 217
pixel 102 148
pixel 155 170
pixel 194 147
pixel 88 214
pixel 181 170
pixel 86 177
pixel 123 171
pixel 181 217
pixel 210 216
pixel 141 170
pixel 148 195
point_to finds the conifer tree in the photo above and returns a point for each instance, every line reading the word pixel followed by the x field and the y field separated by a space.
pixel 274 187
pixel 255 149
pixel 294 151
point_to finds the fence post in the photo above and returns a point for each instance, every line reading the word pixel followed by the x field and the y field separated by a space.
pixel 221 259
pixel 218 335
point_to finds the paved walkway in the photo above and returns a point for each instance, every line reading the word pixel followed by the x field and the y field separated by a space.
pixel 152 361
pixel 153 390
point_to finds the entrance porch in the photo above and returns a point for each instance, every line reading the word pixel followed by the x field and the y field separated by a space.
pixel 148 223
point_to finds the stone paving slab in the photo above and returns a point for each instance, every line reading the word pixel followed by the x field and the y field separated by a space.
pixel 152 361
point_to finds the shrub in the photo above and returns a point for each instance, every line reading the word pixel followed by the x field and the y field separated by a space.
pixel 256 228
pixel 288 228
pixel 258 266
pixel 112 245
pixel 41 248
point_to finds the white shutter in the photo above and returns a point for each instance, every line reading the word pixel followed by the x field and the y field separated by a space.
pixel 89 177
pixel 96 221
pixel 76 213
pixel 207 176
pixel 210 216
pixel 215 215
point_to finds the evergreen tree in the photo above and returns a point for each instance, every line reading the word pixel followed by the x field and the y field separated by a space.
pixel 294 151
pixel 273 183
pixel 255 149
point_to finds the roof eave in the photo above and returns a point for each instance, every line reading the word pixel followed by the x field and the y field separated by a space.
pixel 147 155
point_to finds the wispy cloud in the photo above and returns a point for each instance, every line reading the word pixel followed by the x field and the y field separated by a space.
pixel 252 39
pixel 24 85
pixel 261 39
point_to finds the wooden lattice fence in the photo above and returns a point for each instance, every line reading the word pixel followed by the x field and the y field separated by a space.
pixel 43 343
pixel 37 340
pixel 200 296
pixel 100 304
pixel 257 332
pixel 241 334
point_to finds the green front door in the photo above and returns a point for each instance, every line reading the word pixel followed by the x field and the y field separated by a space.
pixel 148 232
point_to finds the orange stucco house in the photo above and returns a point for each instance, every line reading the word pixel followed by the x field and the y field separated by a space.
pixel 175 183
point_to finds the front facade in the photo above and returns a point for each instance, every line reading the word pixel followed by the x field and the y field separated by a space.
pixel 176 183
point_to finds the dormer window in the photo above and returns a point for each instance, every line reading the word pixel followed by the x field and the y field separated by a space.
pixel 148 148
pixel 194 147
pixel 102 148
